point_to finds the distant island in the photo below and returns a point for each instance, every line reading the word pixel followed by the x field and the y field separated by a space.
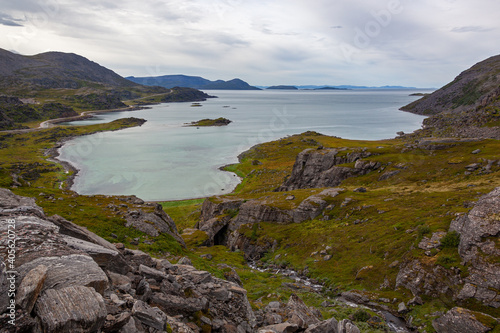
pixel 211 122
pixel 331 88
pixel 196 82
pixel 281 87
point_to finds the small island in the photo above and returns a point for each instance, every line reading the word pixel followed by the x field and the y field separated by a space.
pixel 211 122
pixel 282 87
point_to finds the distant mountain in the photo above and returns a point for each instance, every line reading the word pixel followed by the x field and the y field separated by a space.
pixel 352 87
pixel 197 82
pixel 283 87
pixel 55 70
pixel 468 106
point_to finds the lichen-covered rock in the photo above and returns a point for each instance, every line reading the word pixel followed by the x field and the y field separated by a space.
pixel 427 279
pixel 479 231
pixel 316 168
pixel 70 270
pixel 30 287
pixel 72 309
pixel 459 320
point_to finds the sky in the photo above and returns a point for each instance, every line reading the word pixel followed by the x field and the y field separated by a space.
pixel 419 43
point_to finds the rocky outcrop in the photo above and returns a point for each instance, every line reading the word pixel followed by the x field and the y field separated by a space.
pixel 459 320
pixel 316 168
pixel 428 279
pixel 220 220
pixel 479 231
pixel 153 223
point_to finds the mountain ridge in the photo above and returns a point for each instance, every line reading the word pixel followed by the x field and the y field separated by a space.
pixel 196 82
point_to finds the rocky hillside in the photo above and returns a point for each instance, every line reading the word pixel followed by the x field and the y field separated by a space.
pixel 467 106
pixel 68 279
pixel 55 70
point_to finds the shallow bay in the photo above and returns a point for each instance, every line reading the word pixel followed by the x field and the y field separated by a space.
pixel 163 160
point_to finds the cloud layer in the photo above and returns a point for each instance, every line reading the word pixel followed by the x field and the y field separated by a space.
pixel 365 42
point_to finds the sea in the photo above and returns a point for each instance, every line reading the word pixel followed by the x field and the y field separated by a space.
pixel 165 160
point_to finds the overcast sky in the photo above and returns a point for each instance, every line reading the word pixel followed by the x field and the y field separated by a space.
pixel 423 43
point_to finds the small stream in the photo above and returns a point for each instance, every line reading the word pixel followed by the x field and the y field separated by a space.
pixel 394 323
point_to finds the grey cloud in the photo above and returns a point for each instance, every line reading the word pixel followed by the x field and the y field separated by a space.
pixel 470 28
pixel 8 20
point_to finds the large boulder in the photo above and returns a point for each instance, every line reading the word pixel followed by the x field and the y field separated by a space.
pixel 71 309
pixel 68 270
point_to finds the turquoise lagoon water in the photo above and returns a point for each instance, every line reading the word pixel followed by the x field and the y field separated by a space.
pixel 164 160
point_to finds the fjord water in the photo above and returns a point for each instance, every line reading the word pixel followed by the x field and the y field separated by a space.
pixel 164 160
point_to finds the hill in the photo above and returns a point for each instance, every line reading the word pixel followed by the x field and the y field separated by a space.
pixel 55 85
pixel 467 106
pixel 197 82
pixel 55 70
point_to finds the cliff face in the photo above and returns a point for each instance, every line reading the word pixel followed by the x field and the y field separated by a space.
pixel 467 106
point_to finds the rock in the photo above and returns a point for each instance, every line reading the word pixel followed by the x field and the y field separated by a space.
pixel 402 307
pixel 388 174
pixel 106 258
pixel 149 316
pixel 122 282
pixel 115 323
pixel 360 190
pixel 71 270
pixel 318 168
pixel 154 223
pixel 14 204
pixel 4 287
pixel 477 151
pixel 279 328
pixel 433 242
pixel 131 327
pixel 424 278
pixel 176 305
pixel 137 257
pixel 299 313
pixel 152 273
pixel 459 320
pixel 477 248
pixel 346 326
pixel 290 197
pixel 473 167
pixel 415 301
pixel 326 326
pixel 71 309
pixel 70 229
pixel 355 297
pixel 30 288
pixel 185 261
